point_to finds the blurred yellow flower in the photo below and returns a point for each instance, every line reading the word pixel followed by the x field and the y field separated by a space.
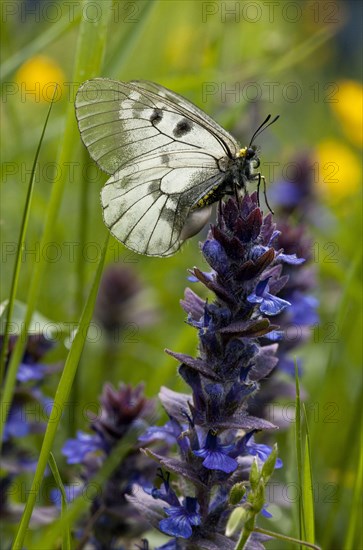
pixel 349 109
pixel 37 76
pixel 339 173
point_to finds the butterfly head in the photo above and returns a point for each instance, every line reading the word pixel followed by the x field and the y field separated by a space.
pixel 249 156
pixel 250 159
pixel 248 153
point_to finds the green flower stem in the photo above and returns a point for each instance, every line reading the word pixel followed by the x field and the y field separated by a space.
pixel 248 529
pixel 286 538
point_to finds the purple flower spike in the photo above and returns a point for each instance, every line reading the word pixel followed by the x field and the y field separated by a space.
pixel 17 425
pixel 210 428
pixel 181 519
pixel 76 449
pixel 269 304
pixel 215 255
pixel 262 451
pixel 27 372
pixel 215 455
pixel 291 259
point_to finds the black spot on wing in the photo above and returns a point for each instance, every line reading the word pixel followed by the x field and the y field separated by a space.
pixel 154 188
pixel 168 215
pixel 156 116
pixel 183 127
pixel 165 158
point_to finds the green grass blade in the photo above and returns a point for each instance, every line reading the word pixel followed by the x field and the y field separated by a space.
pixel 292 477
pixel 129 40
pixel 66 538
pixel 354 532
pixel 307 491
pixel 83 225
pixel 11 374
pixel 89 61
pixel 91 45
pixel 60 399
pixel 298 446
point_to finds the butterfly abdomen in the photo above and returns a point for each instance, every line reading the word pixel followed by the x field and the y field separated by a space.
pixel 213 195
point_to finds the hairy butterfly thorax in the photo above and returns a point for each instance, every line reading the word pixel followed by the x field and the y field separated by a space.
pixel 168 162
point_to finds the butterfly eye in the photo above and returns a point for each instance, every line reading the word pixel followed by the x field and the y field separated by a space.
pixel 250 153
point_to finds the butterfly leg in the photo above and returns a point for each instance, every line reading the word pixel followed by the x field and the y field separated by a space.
pixel 264 192
pixel 258 188
pixel 262 178
pixel 236 195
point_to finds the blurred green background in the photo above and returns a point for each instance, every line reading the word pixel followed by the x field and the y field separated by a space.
pixel 238 61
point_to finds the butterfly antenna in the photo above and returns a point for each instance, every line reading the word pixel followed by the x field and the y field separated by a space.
pixel 263 127
pixel 259 128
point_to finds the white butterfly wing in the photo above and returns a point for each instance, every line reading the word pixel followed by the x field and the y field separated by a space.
pixel 163 153
pixel 146 208
pixel 189 107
